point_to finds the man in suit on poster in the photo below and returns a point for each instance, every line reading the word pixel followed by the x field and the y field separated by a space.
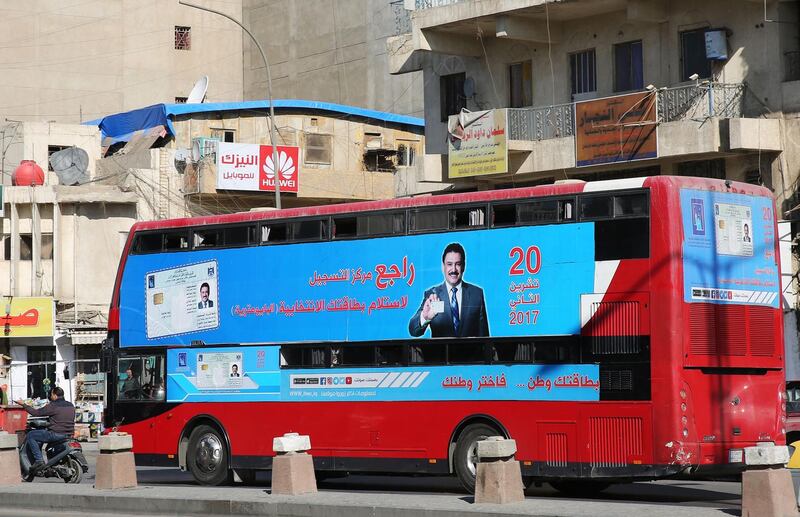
pixel 453 308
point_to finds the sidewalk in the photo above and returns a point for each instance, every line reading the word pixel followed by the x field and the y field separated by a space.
pixel 207 501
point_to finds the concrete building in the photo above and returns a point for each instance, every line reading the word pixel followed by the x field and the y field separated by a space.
pixel 71 62
pixel 344 154
pixel 330 50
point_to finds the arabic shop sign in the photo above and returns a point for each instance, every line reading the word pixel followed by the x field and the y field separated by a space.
pixel 27 317
pixel 476 144
pixel 250 167
pixel 616 129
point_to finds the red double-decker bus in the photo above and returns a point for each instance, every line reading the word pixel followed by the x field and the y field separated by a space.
pixel 617 330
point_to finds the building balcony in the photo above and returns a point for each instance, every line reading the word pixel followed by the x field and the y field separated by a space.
pixel 693 122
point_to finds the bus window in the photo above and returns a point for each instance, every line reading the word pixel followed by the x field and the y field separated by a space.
pixel 207 238
pixel 538 212
pixel 358 355
pixel 389 354
pixel 596 207
pixel 556 351
pixel 313 230
pixel 464 353
pixel 504 215
pixel 630 205
pixel 148 242
pixel 176 241
pixel 344 227
pixel 468 217
pixel 240 235
pixel 382 224
pixel 429 353
pixel 153 381
pixel 427 220
pixel 129 378
pixel 274 233
pixel 566 210
pixel 511 352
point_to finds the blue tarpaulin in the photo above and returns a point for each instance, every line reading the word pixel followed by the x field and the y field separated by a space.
pixel 120 126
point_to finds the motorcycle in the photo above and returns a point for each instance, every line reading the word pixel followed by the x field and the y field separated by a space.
pixel 63 458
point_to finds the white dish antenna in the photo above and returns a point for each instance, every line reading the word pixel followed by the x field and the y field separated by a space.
pixel 198 93
pixel 70 165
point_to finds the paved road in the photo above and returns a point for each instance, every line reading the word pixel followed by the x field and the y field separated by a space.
pixel 723 495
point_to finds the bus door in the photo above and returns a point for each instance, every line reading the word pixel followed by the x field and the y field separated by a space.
pixel 140 393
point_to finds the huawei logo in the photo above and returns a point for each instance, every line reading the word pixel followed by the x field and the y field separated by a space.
pixel 285 163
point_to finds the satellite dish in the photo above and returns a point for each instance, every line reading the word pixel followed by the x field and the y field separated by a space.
pixel 198 93
pixel 469 87
pixel 70 165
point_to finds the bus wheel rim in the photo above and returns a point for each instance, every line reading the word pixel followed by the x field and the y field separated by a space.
pixel 472 456
pixel 209 453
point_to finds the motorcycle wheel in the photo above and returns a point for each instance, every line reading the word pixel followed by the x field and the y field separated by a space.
pixel 75 467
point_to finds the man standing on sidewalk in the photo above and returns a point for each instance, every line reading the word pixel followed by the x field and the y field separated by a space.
pixel 62 420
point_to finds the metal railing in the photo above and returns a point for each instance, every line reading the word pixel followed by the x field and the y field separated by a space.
pixel 428 4
pixel 791 66
pixel 541 123
pixel 690 102
pixel 402 17
pixel 700 101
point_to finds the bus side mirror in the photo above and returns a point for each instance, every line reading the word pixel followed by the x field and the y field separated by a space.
pixel 106 352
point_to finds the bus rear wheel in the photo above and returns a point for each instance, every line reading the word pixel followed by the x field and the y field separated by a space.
pixel 207 456
pixel 465 457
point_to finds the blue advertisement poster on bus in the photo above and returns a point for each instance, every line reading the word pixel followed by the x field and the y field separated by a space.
pixel 252 374
pixel 501 282
pixel 729 249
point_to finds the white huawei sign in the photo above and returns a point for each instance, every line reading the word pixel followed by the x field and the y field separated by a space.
pixel 286 166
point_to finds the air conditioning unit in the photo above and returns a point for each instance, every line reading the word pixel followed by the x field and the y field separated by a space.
pixel 203 146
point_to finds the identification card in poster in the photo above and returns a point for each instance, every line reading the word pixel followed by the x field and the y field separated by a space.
pixel 220 370
pixel 182 299
pixel 734 225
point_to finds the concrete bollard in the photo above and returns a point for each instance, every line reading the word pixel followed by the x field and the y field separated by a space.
pixel 767 487
pixel 292 467
pixel 499 478
pixel 115 464
pixel 10 473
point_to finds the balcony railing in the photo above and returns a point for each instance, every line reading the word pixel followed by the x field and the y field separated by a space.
pixel 427 4
pixel 541 123
pixel 691 102
pixel 402 17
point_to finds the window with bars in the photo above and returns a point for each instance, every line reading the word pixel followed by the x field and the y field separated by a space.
pixel 183 37
pixel 583 72
pixel 628 66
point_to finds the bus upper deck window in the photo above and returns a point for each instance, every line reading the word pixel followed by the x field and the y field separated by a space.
pixel 430 220
pixel 175 241
pixel 273 233
pixel 308 230
pixel 538 212
pixel 206 238
pixel 382 224
pixel 240 235
pixel 468 217
pixel 504 215
pixel 630 205
pixel 147 242
pixel 566 210
pixel 596 207
pixel 344 227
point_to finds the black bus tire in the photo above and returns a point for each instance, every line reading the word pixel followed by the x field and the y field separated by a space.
pixel 465 460
pixel 207 457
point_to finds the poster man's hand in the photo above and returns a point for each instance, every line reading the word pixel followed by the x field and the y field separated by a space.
pixel 427 309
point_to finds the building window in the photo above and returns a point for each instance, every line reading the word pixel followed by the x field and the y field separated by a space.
pixel 628 68
pixel 703 169
pixel 406 153
pixel 693 54
pixel 54 149
pixel 520 91
pixel 183 38
pixel 26 246
pixel 224 135
pixel 583 72
pixel 318 149
pixel 451 90
pixel 181 100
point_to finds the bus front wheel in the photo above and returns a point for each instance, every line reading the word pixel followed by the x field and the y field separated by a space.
pixel 207 456
pixel 465 457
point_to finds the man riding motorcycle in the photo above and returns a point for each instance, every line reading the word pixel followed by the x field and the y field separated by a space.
pixel 62 418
